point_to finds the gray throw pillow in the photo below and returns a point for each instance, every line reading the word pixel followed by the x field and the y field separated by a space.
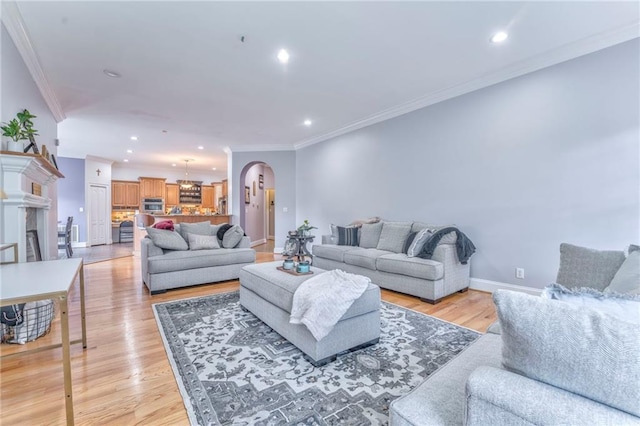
pixel 585 267
pixel 167 240
pixel 232 237
pixel 418 242
pixel 347 235
pixel 203 242
pixel 577 349
pixel 370 234
pixel 627 279
pixel 393 236
pixel 198 228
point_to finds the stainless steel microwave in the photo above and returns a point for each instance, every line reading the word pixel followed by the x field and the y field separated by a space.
pixel 152 205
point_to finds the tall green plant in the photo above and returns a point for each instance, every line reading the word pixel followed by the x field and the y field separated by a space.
pixel 25 118
pixel 13 129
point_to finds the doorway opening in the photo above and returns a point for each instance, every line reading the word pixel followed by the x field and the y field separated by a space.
pixel 257 211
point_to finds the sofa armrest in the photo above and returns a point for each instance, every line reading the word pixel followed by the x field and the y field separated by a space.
pixel 456 275
pixel 245 242
pixel 497 396
pixel 147 250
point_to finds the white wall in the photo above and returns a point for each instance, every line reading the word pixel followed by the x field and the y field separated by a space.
pixel 172 174
pixel 520 167
pixel 20 92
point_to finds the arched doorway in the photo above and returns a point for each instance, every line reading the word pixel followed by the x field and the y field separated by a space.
pixel 257 206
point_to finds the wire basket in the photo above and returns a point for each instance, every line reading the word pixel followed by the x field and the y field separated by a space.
pixel 36 318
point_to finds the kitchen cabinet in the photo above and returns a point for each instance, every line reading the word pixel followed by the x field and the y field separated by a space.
pixel 125 195
pixel 171 195
pixel 152 187
pixel 224 188
pixel 208 198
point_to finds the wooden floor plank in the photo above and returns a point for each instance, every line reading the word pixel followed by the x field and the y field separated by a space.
pixel 124 376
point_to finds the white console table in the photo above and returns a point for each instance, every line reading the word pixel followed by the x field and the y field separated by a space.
pixel 32 281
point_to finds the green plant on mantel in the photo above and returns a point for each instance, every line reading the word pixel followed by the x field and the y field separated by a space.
pixel 25 118
pixel 13 130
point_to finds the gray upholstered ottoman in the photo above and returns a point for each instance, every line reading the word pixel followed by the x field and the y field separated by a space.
pixel 268 294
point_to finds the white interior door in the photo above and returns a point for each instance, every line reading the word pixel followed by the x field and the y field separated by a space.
pixel 98 214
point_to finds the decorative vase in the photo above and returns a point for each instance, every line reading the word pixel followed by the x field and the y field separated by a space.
pixel 15 146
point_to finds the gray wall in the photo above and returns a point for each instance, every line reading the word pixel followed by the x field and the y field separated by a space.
pixel 71 194
pixel 520 167
pixel 283 164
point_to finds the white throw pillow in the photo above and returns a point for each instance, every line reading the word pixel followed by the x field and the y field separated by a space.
pixel 232 237
pixel 203 242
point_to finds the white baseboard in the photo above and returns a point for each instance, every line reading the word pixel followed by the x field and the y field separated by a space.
pixel 258 242
pixel 81 244
pixel 491 286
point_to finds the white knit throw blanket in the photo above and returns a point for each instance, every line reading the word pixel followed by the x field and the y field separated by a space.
pixel 322 300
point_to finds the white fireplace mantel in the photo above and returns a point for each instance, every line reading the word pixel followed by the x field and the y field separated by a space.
pixel 18 173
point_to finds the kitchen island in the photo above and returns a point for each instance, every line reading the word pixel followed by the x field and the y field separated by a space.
pixel 140 233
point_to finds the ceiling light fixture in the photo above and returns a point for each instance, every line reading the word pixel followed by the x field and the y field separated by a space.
pixel 186 183
pixel 112 74
pixel 126 160
pixel 283 56
pixel 173 165
pixel 201 147
pixel 129 151
pixel 134 138
pixel 214 168
pixel 307 122
pixel 499 37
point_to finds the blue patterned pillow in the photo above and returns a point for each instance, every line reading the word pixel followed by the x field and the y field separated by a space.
pixel 347 236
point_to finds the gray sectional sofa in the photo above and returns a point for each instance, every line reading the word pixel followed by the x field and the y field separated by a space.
pixel 164 269
pixel 379 255
pixel 546 362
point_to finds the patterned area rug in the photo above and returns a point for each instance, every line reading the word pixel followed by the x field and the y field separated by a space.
pixel 232 369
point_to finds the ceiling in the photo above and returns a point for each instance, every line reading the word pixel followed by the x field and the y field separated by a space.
pixel 188 80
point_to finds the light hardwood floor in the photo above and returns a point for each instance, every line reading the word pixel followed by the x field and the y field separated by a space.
pixel 124 377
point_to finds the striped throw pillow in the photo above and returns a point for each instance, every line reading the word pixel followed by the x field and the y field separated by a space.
pixel 347 236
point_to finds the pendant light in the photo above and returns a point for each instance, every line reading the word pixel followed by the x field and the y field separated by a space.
pixel 186 183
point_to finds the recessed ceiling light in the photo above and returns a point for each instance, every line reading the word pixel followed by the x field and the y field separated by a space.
pixel 283 56
pixel 112 74
pixel 201 147
pixel 173 165
pixel 164 131
pixel 214 168
pixel 499 37
pixel 126 160
pixel 307 122
pixel 130 151
pixel 134 138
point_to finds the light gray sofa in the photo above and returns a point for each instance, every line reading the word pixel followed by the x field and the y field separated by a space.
pixel 168 269
pixel 429 279
pixel 475 388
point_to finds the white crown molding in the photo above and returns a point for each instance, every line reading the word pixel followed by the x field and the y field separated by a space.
pixel 269 147
pixel 12 19
pixel 552 57
pixel 491 286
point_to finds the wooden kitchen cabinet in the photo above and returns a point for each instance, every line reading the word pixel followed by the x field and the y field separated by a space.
pixel 152 187
pixel 125 195
pixel 171 195
pixel 208 198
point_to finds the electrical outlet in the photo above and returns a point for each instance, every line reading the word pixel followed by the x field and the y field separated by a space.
pixel 520 273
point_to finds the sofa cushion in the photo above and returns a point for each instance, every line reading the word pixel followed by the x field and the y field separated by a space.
pixel 580 350
pixel 184 260
pixel 347 236
pixel 370 234
pixel 627 279
pixel 232 236
pixel 623 306
pixel 418 242
pixel 198 228
pixel 399 263
pixel 409 241
pixel 203 242
pixel 585 267
pixel 167 240
pixel 393 236
pixel 366 258
pixel 331 251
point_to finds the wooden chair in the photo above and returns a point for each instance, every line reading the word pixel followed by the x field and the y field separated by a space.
pixel 66 234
